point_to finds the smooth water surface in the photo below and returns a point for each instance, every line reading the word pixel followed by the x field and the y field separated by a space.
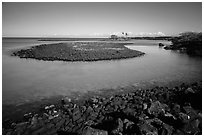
pixel 26 80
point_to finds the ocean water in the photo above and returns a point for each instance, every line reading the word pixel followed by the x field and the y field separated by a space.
pixel 28 80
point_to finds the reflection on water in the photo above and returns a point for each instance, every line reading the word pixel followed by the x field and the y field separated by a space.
pixel 29 79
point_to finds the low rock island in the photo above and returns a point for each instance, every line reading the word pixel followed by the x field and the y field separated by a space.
pixel 79 51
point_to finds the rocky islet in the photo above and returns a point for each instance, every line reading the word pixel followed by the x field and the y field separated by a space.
pixel 78 51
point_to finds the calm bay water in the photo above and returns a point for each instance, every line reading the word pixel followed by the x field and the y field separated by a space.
pixel 27 80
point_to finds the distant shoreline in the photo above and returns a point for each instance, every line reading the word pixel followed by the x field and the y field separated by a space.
pixel 79 51
pixel 91 38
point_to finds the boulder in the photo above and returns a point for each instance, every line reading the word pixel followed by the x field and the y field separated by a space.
pixel 192 127
pixel 76 114
pixel 189 90
pixel 192 121
pixel 66 100
pixel 92 131
pixel 90 123
pixel 144 106
pixel 191 112
pixel 184 117
pixel 129 111
pixel 118 128
pixel 161 44
pixel 147 129
pixel 89 110
pixel 176 109
pixel 154 127
pixel 166 129
pixel 34 120
pixel 127 124
pixel 156 108
pixel 167 47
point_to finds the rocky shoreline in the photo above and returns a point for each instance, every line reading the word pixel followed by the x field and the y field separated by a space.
pixel 79 51
pixel 156 111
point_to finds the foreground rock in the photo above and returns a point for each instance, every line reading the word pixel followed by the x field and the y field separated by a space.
pixel 161 44
pixel 79 51
pixel 159 111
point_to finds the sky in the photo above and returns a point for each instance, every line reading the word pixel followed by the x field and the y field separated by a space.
pixel 99 19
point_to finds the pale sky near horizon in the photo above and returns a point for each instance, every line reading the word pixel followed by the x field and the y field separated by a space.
pixel 99 19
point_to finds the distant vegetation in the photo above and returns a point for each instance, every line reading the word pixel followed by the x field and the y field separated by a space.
pixel 120 38
pixel 189 41
pixel 125 37
pixel 154 38
pixel 79 51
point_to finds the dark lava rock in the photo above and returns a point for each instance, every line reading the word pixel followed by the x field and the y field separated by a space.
pixel 156 108
pixel 147 129
pixel 154 127
pixel 119 127
pixel 66 100
pixel 176 109
pixel 161 45
pixel 161 111
pixel 91 131
pixel 130 128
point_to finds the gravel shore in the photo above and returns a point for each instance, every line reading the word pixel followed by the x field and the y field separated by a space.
pixel 156 111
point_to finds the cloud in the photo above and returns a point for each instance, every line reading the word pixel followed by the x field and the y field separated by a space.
pixel 149 34
pixel 130 34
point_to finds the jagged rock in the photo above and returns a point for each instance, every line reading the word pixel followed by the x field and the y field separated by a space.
pixel 166 129
pixel 22 124
pixel 83 109
pixel 190 112
pixel 127 124
pixel 34 120
pixel 184 117
pixel 142 112
pixel 66 100
pixel 169 115
pixel 76 114
pixel 147 129
pixel 94 100
pixel 189 90
pixel 155 126
pixel 168 47
pixel 50 107
pixel 129 111
pixel 192 121
pixel 60 123
pixel 191 127
pixel 90 123
pixel 91 131
pixel 118 129
pixel 178 132
pixel 51 117
pixel 49 125
pixel 20 128
pixel 200 120
pixel 161 45
pixel 156 108
pixel 89 110
pixel 176 109
pixel 144 106
pixel 39 131
pixel 27 116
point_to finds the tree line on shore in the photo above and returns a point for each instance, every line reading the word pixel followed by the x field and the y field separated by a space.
pixel 189 41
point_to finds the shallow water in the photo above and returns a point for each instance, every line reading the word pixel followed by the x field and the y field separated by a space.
pixel 27 80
